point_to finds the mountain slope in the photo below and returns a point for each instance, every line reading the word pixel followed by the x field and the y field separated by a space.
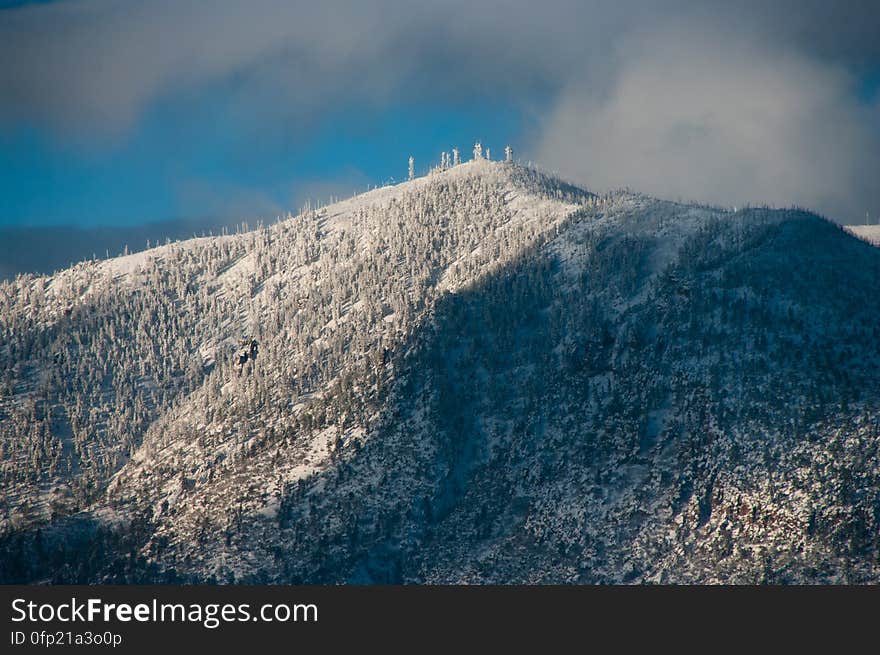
pixel 870 233
pixel 483 375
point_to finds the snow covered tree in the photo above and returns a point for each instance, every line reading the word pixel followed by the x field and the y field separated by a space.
pixel 508 153
pixel 412 168
pixel 455 159
pixel 478 151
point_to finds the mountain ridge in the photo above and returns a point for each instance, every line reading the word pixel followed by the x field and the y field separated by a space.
pixel 482 375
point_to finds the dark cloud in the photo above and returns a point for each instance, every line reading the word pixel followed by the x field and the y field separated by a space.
pixel 711 100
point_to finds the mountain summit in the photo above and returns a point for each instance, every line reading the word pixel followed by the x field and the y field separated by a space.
pixel 481 375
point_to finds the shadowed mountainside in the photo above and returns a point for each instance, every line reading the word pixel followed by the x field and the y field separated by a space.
pixel 484 375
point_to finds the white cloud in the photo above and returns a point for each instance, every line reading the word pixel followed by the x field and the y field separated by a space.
pixel 699 114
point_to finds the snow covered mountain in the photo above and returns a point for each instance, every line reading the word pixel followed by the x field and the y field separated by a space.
pixel 481 375
pixel 870 233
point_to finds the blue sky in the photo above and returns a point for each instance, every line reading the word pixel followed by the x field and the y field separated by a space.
pixel 196 161
pixel 119 113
